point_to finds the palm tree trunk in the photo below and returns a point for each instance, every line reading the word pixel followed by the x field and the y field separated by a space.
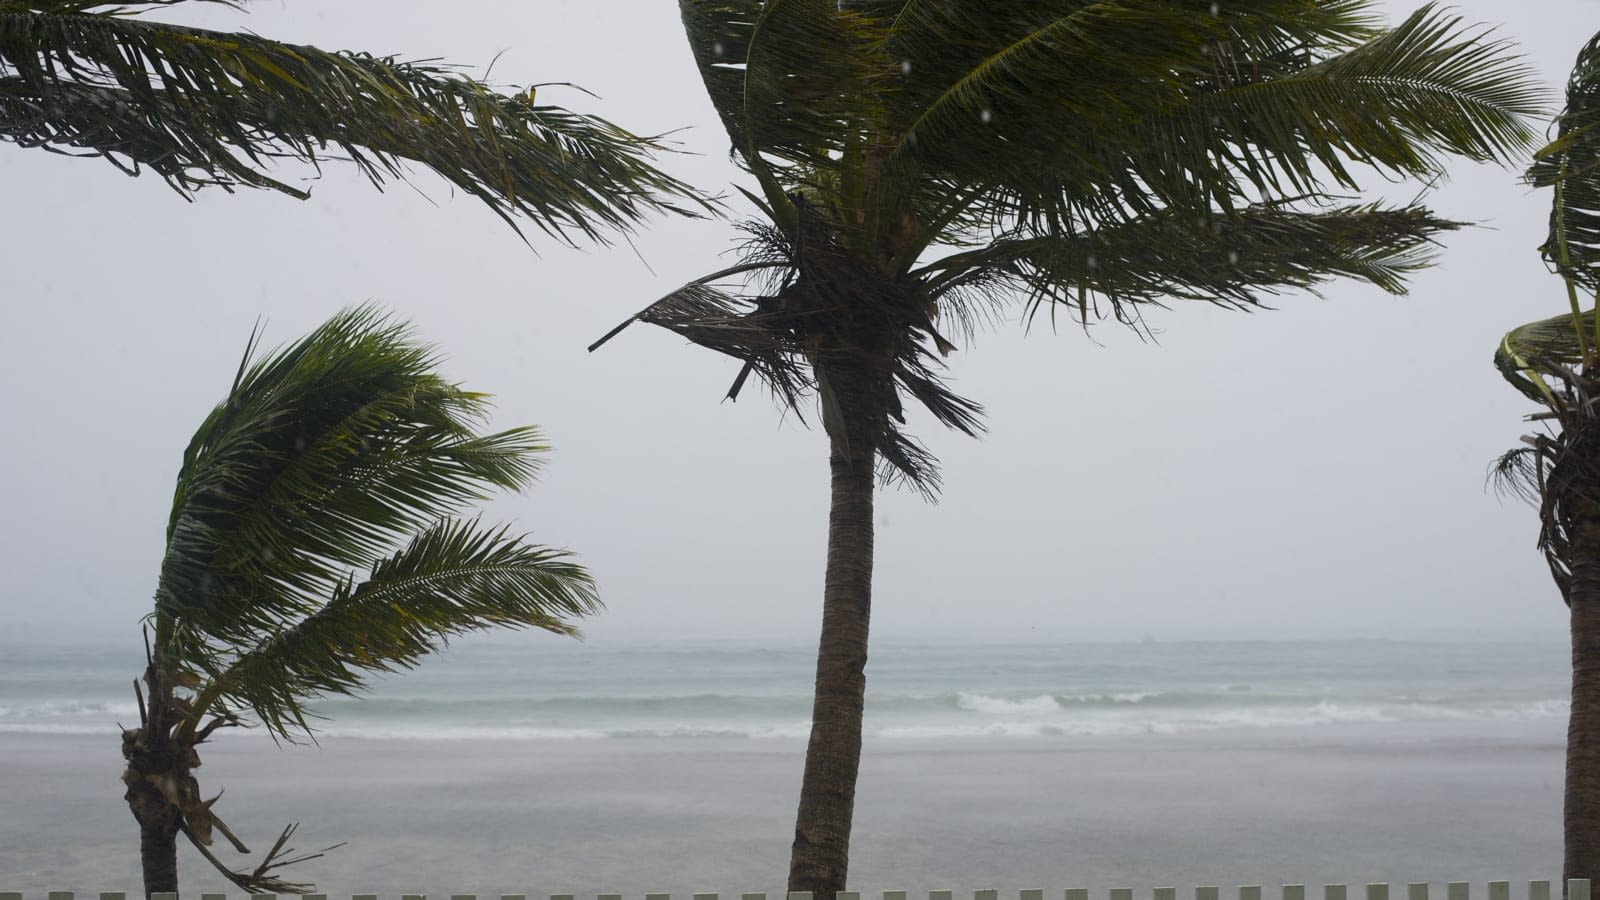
pixel 158 834
pixel 821 854
pixel 1581 817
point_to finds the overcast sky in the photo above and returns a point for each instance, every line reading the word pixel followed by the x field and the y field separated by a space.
pixel 1315 470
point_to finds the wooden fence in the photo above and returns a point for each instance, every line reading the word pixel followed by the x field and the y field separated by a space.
pixel 1577 889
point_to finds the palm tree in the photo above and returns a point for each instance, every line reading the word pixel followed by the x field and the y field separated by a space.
pixel 919 163
pixel 202 108
pixel 1556 363
pixel 310 545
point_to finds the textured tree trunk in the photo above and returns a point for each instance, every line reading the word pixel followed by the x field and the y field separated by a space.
pixel 1581 818
pixel 821 855
pixel 158 819
pixel 158 838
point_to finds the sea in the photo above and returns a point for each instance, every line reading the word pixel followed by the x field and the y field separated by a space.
pixel 515 763
pixel 514 688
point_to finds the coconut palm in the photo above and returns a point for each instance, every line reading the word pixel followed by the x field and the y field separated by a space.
pixel 1556 363
pixel 202 108
pixel 312 544
pixel 918 164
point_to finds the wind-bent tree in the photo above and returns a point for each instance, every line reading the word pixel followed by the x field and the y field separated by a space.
pixel 311 544
pixel 918 163
pixel 1556 363
pixel 203 108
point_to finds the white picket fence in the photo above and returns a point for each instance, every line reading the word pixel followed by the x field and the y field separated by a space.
pixel 1577 889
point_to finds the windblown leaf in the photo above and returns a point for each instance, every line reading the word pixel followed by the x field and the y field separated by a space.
pixel 321 458
pixel 452 578
pixel 1571 165
pixel 202 108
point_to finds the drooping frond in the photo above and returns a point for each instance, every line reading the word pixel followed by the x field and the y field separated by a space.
pixel 452 578
pixel 1571 165
pixel 794 81
pixel 1235 261
pixel 202 108
pixel 321 458
pixel 1549 347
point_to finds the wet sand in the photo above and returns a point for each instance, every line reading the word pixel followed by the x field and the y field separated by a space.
pixel 1350 804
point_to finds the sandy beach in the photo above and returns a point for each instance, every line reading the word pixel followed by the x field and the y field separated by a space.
pixel 1448 801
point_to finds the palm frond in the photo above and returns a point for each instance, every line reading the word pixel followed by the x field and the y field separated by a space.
pixel 1571 165
pixel 1529 353
pixel 795 81
pixel 1235 261
pixel 454 577
pixel 203 108
pixel 1401 102
pixel 322 456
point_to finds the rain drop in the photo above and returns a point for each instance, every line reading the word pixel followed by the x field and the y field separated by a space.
pixel 1233 257
pixel 1214 7
pixel 985 116
pixel 716 48
pixel 1090 262
pixel 905 67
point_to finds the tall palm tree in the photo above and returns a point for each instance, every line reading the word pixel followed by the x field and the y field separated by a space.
pixel 202 108
pixel 1556 363
pixel 918 163
pixel 311 544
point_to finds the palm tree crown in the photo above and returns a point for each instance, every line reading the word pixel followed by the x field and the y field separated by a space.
pixel 1091 156
pixel 311 544
pixel 201 108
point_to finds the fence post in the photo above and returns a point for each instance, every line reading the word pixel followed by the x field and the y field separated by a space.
pixel 1538 890
pixel 1459 890
pixel 1294 892
pixel 1578 889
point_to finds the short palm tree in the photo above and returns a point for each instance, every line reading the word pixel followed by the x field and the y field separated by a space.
pixel 201 108
pixel 312 544
pixel 918 163
pixel 1556 363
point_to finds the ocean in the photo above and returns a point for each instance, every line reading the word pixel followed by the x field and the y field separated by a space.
pixel 519 763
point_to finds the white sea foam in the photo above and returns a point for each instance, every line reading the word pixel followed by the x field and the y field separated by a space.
pixel 981 703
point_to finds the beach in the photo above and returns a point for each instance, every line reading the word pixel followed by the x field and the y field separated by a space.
pixel 1474 801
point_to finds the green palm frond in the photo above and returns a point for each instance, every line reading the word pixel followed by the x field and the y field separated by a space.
pixel 1401 101
pixel 1529 352
pixel 1571 165
pixel 322 456
pixel 1235 261
pixel 452 578
pixel 202 108
pixel 794 81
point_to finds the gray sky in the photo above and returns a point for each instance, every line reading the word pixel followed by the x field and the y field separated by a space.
pixel 1316 470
